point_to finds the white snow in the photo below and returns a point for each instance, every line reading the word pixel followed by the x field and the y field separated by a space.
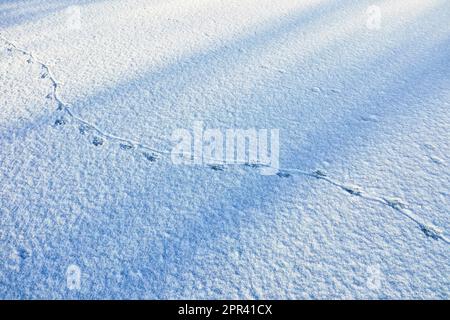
pixel 360 208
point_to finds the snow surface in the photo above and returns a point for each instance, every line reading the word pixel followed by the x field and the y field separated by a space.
pixel 86 117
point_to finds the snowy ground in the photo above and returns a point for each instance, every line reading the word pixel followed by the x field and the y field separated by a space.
pixel 86 116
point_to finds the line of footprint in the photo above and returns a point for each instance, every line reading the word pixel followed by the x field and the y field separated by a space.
pixel 151 154
pixel 99 137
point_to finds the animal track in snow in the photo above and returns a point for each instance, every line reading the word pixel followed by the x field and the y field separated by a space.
pixel 84 125
pixel 59 122
pixel 353 190
pixel 431 232
pixel 23 253
pixel 398 205
pixel 320 90
pixel 125 146
pixel 83 129
pixel 253 165
pixel 151 154
pixel 395 203
pixel 283 174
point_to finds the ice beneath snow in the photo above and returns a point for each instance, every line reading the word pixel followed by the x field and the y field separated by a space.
pixel 360 208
